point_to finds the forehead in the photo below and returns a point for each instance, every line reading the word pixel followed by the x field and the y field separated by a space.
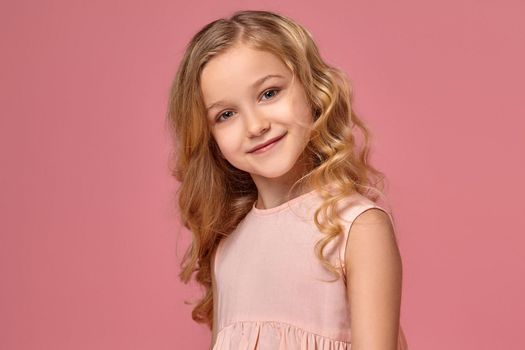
pixel 237 69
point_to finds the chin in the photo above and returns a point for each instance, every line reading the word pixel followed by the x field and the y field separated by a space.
pixel 273 173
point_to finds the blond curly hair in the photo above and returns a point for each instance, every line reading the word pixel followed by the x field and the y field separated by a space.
pixel 210 186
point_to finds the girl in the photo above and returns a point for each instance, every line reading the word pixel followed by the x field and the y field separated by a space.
pixel 278 194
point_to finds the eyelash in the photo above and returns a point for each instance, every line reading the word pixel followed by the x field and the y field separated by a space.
pixel 277 90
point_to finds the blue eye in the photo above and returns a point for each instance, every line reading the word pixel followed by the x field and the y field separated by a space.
pixel 276 90
pixel 220 115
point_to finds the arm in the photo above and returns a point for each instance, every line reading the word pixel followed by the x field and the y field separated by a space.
pixel 374 267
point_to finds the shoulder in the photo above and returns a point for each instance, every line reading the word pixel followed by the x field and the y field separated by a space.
pixel 374 268
pixel 371 239
pixel 373 218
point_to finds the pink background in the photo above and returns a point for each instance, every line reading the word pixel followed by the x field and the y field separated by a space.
pixel 89 244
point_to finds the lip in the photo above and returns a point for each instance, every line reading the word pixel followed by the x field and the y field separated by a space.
pixel 270 142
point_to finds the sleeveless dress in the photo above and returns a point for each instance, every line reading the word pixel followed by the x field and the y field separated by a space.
pixel 271 291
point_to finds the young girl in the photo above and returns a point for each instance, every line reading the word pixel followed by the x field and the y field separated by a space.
pixel 288 239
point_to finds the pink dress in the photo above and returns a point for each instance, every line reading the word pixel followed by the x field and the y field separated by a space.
pixel 270 288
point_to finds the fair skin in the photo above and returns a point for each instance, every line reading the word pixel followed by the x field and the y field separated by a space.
pixel 242 116
pixel 374 268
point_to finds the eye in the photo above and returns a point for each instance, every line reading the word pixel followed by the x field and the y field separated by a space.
pixel 270 90
pixel 275 90
pixel 220 115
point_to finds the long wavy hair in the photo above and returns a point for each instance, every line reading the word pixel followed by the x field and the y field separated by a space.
pixel 210 186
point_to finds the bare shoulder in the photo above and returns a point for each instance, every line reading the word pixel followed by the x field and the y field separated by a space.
pixel 373 263
pixel 373 216
pixel 371 239
pixel 373 226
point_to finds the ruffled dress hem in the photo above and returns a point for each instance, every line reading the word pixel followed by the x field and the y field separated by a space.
pixel 275 335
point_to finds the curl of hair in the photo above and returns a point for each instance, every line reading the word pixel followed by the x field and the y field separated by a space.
pixel 210 186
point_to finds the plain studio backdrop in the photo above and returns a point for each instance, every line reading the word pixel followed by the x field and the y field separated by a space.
pixel 89 237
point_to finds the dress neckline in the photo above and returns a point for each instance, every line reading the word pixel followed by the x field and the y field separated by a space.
pixel 281 207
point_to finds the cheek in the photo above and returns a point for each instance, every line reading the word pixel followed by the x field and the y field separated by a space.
pixel 299 119
pixel 228 143
pixel 293 110
pixel 283 113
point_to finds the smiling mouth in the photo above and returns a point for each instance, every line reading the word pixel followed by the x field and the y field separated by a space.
pixel 267 146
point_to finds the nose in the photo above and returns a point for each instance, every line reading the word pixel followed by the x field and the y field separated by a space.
pixel 256 124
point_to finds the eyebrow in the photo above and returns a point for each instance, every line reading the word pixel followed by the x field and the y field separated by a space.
pixel 257 83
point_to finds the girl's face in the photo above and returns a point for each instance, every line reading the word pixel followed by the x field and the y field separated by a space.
pixel 252 99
